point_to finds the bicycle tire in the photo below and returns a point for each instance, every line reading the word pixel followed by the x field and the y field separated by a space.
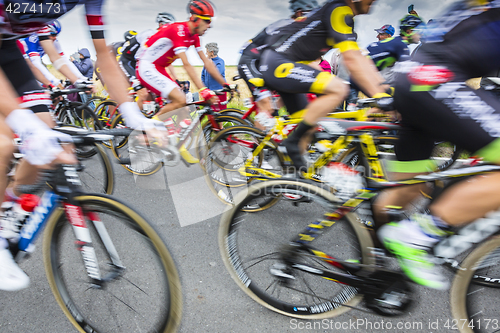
pixel 224 159
pixel 248 242
pixel 225 120
pixel 84 118
pixel 471 303
pixel 104 179
pixel 106 112
pixel 94 101
pixel 128 227
pixel 144 164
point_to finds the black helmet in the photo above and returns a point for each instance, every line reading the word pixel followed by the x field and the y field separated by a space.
pixel 129 34
pixel 165 18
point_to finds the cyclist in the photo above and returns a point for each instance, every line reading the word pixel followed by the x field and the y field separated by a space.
pixel 386 52
pixel 39 75
pixel 386 31
pixel 305 40
pixel 130 51
pixel 435 103
pixel 41 144
pixel 171 42
pixel 116 49
pixel 248 64
pixel 45 42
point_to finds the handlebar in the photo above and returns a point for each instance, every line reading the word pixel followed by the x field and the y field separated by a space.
pixel 382 103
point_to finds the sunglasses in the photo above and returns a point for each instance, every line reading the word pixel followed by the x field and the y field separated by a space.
pixel 207 20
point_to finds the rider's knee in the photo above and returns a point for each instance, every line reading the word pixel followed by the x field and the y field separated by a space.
pixel 339 88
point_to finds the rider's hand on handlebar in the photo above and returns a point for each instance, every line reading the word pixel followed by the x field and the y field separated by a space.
pixel 155 129
pixel 384 101
pixel 85 83
pixel 208 95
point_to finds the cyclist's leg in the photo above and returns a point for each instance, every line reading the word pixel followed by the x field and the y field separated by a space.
pixel 33 97
pixel 413 149
pixel 248 70
pixel 450 111
pixel 12 278
pixel 158 81
pixel 290 77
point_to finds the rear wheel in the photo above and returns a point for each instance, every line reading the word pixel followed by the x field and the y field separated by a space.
pixel 476 289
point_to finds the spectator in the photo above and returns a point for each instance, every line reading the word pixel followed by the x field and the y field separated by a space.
pixel 85 65
pixel 387 31
pixel 212 51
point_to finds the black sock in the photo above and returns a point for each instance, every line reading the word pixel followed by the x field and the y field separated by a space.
pixel 299 132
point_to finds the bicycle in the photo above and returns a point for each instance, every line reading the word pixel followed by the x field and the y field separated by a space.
pixel 236 155
pixel 75 114
pixel 145 159
pixel 100 284
pixel 280 260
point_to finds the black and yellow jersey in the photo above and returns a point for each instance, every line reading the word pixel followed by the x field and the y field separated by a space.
pixel 309 37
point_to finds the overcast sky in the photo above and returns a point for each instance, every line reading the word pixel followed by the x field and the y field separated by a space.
pixel 236 21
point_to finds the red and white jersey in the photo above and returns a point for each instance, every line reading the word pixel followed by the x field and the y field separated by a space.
pixel 22 47
pixel 164 46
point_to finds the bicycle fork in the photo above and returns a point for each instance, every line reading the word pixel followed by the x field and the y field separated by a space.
pixel 77 219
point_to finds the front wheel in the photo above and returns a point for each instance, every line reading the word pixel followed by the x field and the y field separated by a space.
pixel 251 246
pixel 140 294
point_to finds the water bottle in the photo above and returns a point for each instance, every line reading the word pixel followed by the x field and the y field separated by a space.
pixel 15 217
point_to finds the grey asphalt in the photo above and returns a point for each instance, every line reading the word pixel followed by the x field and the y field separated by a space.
pixel 186 214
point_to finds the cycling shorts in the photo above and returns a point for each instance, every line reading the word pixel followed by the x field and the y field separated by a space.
pixel 155 78
pixel 128 67
pixel 437 105
pixel 22 79
pixel 248 71
pixel 292 79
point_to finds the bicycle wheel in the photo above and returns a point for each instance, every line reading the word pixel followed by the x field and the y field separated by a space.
pixel 80 116
pixel 474 305
pixel 94 101
pixel 228 152
pixel 224 120
pixel 144 161
pixel 96 172
pixel 143 294
pixel 250 246
pixel 106 111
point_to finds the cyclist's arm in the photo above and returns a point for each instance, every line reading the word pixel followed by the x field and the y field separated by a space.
pixel 59 62
pixel 363 72
pixel 211 68
pixel 41 72
pixel 190 70
pixel 171 70
pixel 111 73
